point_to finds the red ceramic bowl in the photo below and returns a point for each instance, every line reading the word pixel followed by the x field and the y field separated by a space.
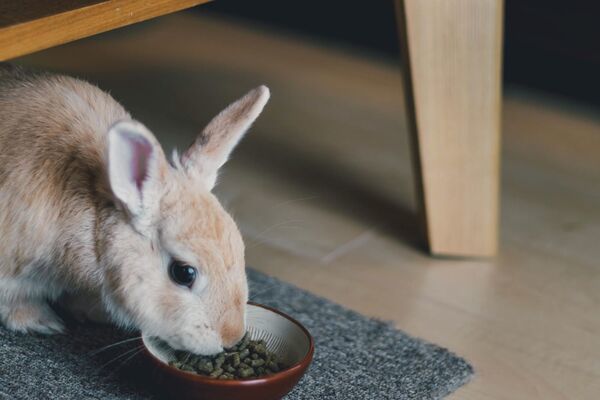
pixel 284 335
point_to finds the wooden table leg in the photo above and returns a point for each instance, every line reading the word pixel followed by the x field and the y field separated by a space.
pixel 453 50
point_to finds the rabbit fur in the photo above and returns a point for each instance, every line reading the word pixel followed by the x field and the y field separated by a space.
pixel 90 206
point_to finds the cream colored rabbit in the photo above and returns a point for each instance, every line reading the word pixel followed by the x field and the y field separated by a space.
pixel 90 204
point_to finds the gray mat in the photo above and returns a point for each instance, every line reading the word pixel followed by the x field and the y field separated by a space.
pixel 356 358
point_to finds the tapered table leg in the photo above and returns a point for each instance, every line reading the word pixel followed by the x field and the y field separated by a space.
pixel 453 54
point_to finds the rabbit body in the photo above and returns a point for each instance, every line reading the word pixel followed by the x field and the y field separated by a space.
pixel 90 205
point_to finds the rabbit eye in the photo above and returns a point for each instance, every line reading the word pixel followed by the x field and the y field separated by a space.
pixel 182 273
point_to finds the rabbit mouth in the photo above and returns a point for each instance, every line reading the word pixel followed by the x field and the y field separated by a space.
pixel 190 344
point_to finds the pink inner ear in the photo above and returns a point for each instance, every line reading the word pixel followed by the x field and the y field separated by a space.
pixel 141 149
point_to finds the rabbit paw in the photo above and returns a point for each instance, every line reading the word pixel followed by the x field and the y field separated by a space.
pixel 31 317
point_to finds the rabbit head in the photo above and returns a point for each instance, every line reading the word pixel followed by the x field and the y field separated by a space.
pixel 173 257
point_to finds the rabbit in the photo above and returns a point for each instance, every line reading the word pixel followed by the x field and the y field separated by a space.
pixel 89 204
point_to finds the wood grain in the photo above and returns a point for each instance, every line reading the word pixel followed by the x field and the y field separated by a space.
pixel 33 25
pixel 454 54
pixel 323 192
pixel 16 12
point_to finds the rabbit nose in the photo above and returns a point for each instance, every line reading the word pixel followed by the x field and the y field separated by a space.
pixel 232 328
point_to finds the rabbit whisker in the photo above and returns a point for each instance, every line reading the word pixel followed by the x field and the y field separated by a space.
pixel 94 352
pixel 122 364
pixel 260 237
pixel 121 356
pixel 263 291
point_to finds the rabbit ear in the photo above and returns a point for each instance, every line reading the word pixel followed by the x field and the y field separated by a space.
pixel 136 169
pixel 212 147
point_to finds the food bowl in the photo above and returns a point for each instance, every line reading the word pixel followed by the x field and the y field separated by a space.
pixel 284 336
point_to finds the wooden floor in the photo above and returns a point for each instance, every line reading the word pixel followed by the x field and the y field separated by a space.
pixel 323 191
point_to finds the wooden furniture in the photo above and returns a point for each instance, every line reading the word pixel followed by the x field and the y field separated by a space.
pixel 453 48
pixel 32 25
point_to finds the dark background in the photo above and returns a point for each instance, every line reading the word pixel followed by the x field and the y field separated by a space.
pixel 550 46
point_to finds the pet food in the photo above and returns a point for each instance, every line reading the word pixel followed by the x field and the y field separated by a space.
pixel 247 359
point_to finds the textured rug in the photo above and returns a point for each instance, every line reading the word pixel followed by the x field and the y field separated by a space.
pixel 355 357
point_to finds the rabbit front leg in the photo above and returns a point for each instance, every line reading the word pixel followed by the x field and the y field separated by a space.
pixel 24 307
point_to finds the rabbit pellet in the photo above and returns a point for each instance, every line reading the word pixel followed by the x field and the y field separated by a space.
pixel 248 359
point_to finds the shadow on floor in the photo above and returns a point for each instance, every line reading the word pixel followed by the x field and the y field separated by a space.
pixel 334 186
